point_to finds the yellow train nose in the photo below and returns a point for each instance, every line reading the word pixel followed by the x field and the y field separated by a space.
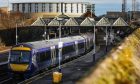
pixel 19 67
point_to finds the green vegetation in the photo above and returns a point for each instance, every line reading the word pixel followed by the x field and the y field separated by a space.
pixel 121 66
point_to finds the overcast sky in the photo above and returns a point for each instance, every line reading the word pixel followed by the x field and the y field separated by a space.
pixel 101 6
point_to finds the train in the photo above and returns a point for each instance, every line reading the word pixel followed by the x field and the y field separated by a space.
pixel 31 57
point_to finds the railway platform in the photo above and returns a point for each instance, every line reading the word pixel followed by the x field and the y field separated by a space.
pixel 73 71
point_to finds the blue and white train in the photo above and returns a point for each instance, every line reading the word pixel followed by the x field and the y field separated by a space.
pixel 27 58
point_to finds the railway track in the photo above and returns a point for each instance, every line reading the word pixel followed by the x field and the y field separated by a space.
pixel 47 72
pixel 36 77
pixel 3 72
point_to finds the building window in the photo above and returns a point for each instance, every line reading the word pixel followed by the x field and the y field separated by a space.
pixel 65 7
pixel 88 7
pixel 43 7
pixel 50 7
pixel 36 7
pixel 71 8
pixel 29 7
pixel 57 7
pixel 13 7
pixel 93 8
pixel 77 8
pixel 23 7
pixel 17 7
pixel 82 7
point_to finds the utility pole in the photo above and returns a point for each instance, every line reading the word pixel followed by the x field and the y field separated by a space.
pixel 137 6
pixel 133 8
pixel 133 5
pixel 124 5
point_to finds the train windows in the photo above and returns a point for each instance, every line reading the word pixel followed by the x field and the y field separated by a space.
pixel 48 55
pixel 68 49
pixel 80 45
pixel 44 56
pixel 20 56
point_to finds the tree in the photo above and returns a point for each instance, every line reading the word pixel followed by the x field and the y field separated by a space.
pixel 9 20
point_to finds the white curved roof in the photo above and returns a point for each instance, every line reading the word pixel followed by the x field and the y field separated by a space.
pixel 53 1
pixel 54 42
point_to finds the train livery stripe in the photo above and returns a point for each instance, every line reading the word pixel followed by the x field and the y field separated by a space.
pixel 21 48
pixel 19 67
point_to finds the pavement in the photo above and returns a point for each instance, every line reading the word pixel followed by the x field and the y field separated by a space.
pixel 74 71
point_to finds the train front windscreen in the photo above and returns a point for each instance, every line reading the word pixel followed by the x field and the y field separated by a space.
pixel 20 57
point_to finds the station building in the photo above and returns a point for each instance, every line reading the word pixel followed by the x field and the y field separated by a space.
pixel 52 8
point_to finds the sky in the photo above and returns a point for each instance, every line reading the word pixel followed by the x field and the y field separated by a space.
pixel 101 6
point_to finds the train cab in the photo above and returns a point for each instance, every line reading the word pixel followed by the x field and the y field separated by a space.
pixel 20 58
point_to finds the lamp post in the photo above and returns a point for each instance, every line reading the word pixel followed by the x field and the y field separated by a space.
pixel 16 35
pixel 129 14
pixel 45 29
pixel 106 39
pixel 111 36
pixel 94 46
pixel 45 32
pixel 60 43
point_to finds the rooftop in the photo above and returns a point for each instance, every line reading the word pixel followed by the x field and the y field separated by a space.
pixel 40 1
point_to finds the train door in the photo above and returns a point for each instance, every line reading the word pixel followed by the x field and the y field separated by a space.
pixel 76 47
pixel 89 43
pixel 86 43
pixel 53 55
pixel 44 59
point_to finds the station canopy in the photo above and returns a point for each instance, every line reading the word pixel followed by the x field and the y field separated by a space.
pixel 54 22
pixel 103 22
pixel 88 22
pixel 120 22
pixel 71 22
pixel 78 22
pixel 39 22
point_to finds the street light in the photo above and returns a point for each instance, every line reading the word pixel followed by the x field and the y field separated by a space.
pixel 60 43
